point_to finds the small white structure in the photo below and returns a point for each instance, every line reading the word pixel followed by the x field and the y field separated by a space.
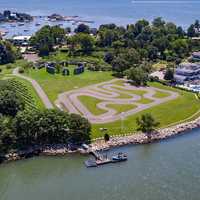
pixel 21 40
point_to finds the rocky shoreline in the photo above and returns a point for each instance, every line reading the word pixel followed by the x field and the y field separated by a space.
pixel 100 144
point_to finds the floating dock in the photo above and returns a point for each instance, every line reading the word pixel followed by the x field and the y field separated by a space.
pixel 101 160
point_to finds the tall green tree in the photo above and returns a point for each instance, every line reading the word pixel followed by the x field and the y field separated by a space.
pixel 10 103
pixel 7 53
pixel 82 28
pixel 137 76
pixel 147 124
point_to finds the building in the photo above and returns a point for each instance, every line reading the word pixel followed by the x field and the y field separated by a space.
pixel 187 72
pixel 21 40
pixel 196 56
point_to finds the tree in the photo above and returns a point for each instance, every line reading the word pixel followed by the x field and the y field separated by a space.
pixel 169 74
pixel 10 103
pixel 79 129
pixel 139 26
pixel 58 34
pixel 7 53
pixel 180 47
pixel 106 137
pixel 180 31
pixel 82 28
pixel 50 127
pixel 45 39
pixel 7 136
pixel 152 52
pixel 137 76
pixel 126 59
pixel 197 24
pixel 191 31
pixel 107 37
pixel 108 57
pixel 84 41
pixel 158 22
pixel 147 124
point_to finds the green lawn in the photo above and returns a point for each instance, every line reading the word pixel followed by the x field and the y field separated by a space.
pixel 56 84
pixel 144 101
pixel 167 113
pixel 161 94
pixel 137 92
pixel 90 103
pixel 122 107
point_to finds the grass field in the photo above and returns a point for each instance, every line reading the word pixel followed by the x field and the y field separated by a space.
pixel 56 84
pixel 122 107
pixel 167 113
pixel 90 103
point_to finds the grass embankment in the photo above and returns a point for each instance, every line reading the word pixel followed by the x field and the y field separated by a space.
pixel 26 91
pixel 167 113
pixel 34 96
pixel 56 84
pixel 122 107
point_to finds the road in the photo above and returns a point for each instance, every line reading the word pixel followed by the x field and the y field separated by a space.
pixel 47 103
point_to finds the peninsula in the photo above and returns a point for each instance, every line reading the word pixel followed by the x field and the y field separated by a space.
pixel 9 16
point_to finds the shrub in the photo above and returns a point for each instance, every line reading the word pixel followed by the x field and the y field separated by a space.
pixel 9 66
pixel 106 137
pixel 21 70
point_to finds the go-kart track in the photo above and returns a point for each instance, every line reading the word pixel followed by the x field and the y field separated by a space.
pixel 109 93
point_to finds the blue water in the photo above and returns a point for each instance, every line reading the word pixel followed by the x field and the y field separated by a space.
pixel 119 11
pixel 167 170
pixel 183 12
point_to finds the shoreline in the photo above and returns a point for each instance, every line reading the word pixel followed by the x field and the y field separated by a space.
pixel 100 144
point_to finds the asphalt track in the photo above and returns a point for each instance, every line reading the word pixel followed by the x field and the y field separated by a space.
pixel 109 93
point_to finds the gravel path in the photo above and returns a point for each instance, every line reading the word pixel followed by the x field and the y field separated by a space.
pixel 37 87
pixel 109 93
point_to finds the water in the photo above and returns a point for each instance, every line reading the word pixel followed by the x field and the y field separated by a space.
pixel 121 12
pixel 168 170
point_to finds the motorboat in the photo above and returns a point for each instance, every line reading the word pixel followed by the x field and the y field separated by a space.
pixel 120 157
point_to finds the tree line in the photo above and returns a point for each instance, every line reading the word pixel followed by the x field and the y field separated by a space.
pixel 124 48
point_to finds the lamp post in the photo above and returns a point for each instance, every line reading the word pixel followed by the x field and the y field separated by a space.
pixel 122 121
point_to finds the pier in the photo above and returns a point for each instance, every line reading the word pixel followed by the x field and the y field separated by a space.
pixel 100 159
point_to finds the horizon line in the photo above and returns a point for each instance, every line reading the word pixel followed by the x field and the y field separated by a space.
pixel 164 2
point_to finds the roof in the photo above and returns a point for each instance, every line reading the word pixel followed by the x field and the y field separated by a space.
pixel 179 77
pixel 21 37
pixel 189 66
pixel 196 54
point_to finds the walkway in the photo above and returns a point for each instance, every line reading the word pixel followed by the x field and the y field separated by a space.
pixel 37 87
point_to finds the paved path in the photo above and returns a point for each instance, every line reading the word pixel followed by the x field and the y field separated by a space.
pixel 37 87
pixel 109 93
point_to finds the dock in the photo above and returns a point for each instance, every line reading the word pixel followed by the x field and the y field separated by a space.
pixel 100 159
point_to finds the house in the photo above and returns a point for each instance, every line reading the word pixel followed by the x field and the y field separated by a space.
pixel 21 40
pixel 187 72
pixel 196 56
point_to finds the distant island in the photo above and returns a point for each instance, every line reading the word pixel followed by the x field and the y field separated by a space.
pixel 8 16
